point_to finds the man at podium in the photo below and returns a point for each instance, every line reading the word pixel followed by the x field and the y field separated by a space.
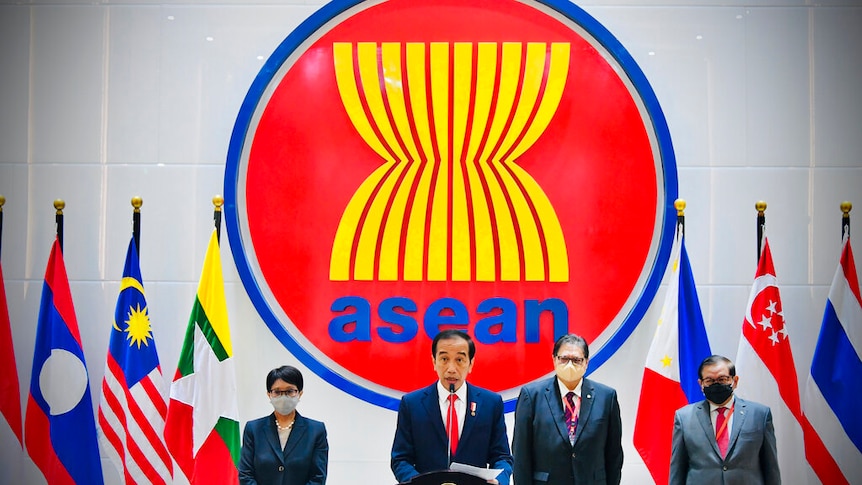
pixel 451 420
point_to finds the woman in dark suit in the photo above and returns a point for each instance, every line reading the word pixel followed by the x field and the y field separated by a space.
pixel 284 448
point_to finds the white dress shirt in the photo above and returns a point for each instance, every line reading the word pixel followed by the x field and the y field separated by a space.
pixel 460 404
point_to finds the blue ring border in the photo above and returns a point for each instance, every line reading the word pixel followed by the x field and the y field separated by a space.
pixel 309 27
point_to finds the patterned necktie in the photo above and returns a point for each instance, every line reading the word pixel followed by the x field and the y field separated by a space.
pixel 721 435
pixel 452 423
pixel 572 404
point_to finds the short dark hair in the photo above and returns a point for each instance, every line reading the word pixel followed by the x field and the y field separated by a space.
pixel 571 338
pixel 287 373
pixel 716 359
pixel 452 333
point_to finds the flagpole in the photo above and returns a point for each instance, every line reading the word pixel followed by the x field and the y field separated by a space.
pixel 59 205
pixel 137 202
pixel 218 201
pixel 2 203
pixel 846 207
pixel 761 225
pixel 679 205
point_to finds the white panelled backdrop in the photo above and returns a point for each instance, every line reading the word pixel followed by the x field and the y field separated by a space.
pixel 104 100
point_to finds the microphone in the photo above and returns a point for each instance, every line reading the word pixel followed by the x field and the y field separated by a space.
pixel 449 416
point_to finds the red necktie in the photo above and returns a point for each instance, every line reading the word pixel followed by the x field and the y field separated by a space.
pixel 721 435
pixel 572 415
pixel 452 423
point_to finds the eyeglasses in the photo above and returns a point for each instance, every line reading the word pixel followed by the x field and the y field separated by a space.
pixel 563 359
pixel 723 380
pixel 284 392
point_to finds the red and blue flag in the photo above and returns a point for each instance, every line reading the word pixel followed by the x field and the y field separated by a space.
pixel 132 410
pixel 834 385
pixel 679 345
pixel 60 427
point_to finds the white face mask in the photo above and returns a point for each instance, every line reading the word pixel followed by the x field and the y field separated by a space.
pixel 284 404
pixel 571 372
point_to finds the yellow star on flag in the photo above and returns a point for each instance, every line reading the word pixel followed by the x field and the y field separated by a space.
pixel 138 326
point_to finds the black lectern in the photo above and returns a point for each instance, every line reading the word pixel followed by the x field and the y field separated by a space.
pixel 445 477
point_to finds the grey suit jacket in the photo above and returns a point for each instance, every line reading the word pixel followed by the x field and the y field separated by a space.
pixel 752 457
pixel 543 453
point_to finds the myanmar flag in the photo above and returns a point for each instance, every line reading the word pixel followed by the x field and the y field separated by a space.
pixel 202 426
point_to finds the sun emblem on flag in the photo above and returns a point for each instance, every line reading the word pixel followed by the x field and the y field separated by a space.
pixel 138 326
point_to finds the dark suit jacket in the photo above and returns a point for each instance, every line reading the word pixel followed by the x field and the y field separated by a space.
pixel 303 460
pixel 420 438
pixel 543 453
pixel 751 459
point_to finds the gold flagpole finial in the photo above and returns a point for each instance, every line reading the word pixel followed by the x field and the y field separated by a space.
pixel 59 204
pixel 760 206
pixel 218 201
pixel 2 202
pixel 846 207
pixel 679 205
pixel 137 202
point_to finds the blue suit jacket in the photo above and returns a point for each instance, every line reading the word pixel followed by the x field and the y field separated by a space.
pixel 752 457
pixel 420 438
pixel 303 460
pixel 543 453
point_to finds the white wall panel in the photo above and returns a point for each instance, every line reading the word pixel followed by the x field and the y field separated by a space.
pixel 82 188
pixel 776 84
pixel 15 78
pixel 67 65
pixel 836 70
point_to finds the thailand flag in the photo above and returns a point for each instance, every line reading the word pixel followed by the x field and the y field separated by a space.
pixel 60 428
pixel 678 347
pixel 834 387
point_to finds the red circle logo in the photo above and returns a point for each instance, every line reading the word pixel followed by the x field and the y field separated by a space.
pixel 405 166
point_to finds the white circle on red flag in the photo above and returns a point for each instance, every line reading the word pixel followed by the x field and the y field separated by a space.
pixel 63 381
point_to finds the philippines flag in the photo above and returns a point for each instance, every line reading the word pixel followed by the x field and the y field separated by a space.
pixel 59 428
pixel 767 374
pixel 678 347
pixel 133 408
pixel 834 387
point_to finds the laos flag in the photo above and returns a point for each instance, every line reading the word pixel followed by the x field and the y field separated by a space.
pixel 60 427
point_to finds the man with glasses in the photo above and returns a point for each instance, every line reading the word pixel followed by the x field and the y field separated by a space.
pixel 723 440
pixel 568 428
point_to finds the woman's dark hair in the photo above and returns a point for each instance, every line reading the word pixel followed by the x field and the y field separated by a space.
pixel 287 373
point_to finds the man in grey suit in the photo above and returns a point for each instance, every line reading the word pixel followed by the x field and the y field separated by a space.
pixel 723 440
pixel 568 428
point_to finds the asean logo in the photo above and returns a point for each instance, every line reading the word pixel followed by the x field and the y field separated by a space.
pixel 400 167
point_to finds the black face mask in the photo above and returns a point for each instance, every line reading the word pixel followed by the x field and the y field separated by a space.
pixel 718 393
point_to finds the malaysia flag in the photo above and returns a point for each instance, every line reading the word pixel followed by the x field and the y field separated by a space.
pixel 59 427
pixel 678 347
pixel 132 410
pixel 834 386
pixel 767 374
